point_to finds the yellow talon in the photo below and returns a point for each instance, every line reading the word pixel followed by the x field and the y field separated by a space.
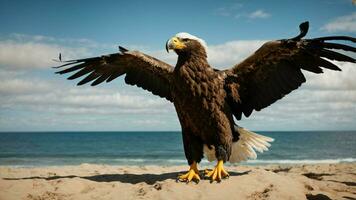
pixel 192 174
pixel 217 173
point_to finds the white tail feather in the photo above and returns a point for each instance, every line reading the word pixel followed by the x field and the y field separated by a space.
pixel 248 142
pixel 244 148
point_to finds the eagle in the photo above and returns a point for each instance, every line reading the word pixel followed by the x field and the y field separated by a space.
pixel 208 101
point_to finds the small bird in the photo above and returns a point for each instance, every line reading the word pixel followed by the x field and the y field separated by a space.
pixel 207 99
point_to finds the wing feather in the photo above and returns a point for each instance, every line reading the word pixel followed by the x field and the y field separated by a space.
pixel 141 70
pixel 101 79
pixel 93 75
pixel 71 69
pixel 326 64
pixel 329 45
pixel 82 72
pixel 336 56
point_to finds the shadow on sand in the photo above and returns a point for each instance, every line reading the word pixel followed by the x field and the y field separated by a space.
pixel 123 178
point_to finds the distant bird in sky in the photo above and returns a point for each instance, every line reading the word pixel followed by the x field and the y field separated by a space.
pixel 207 99
pixel 59 58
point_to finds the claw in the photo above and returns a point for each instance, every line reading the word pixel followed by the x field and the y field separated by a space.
pixel 192 174
pixel 218 173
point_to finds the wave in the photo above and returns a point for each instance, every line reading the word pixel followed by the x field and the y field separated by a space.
pixel 162 162
pixel 305 161
pixel 206 162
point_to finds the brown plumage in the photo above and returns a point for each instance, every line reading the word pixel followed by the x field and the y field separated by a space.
pixel 206 99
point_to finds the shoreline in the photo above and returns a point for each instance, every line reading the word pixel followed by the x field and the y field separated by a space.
pixel 204 163
pixel 94 181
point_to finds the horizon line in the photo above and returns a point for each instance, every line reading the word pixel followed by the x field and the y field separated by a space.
pixel 112 131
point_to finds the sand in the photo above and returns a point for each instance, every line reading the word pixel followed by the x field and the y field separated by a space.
pixel 87 181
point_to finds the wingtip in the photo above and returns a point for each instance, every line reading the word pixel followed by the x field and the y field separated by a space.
pixel 303 28
pixel 94 84
pixel 80 83
pixel 304 25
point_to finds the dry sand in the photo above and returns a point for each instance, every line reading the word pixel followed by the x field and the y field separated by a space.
pixel 87 181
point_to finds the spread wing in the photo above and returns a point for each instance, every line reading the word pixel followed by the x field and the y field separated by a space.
pixel 141 70
pixel 275 70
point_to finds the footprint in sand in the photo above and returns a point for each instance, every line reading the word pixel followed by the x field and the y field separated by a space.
pixel 262 195
pixel 87 189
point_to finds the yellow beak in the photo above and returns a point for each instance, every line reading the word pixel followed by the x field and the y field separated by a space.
pixel 175 44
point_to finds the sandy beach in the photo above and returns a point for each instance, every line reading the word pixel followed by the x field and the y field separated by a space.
pixel 87 181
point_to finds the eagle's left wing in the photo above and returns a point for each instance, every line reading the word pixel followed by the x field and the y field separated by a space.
pixel 140 69
pixel 274 70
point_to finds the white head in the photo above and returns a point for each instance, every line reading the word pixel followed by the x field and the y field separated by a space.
pixel 185 35
pixel 177 42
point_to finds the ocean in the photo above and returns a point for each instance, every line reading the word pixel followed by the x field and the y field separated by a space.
pixel 28 149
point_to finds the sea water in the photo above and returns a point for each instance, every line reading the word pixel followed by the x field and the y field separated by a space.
pixel 162 148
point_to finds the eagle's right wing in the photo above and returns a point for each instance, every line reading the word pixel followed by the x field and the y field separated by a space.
pixel 275 69
pixel 141 70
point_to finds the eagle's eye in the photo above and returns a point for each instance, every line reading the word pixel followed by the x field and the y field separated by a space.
pixel 185 39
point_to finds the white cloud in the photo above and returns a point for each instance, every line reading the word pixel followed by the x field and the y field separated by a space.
pixel 228 10
pixel 234 10
pixel 20 51
pixel 60 98
pixel 342 24
pixel 21 86
pixel 30 55
pixel 68 42
pixel 307 110
pixel 230 53
pixel 259 14
pixel 333 80
pixel 49 105
pixel 32 100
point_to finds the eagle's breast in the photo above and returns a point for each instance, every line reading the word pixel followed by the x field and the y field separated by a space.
pixel 198 95
pixel 197 82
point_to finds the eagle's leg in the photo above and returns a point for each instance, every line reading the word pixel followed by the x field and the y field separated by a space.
pixel 193 149
pixel 222 152
pixel 192 174
pixel 218 172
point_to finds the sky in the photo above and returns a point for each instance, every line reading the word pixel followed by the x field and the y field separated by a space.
pixel 32 33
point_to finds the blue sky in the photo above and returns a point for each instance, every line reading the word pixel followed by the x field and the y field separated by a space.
pixel 32 32
pixel 146 23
